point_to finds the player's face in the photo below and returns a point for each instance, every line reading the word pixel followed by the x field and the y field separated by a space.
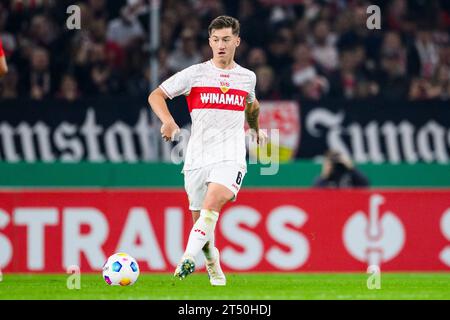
pixel 223 43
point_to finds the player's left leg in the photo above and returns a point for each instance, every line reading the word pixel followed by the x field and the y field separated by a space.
pixel 216 196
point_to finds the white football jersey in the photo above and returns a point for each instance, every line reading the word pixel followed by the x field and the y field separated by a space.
pixel 216 99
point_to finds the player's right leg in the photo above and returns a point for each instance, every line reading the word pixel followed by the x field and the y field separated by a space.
pixel 194 182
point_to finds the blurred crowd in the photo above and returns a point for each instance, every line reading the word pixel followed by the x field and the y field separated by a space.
pixel 307 49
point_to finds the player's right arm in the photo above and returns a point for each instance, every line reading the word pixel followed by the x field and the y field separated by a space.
pixel 157 101
pixel 3 65
pixel 176 85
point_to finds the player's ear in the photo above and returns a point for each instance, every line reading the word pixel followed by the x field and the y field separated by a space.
pixel 238 41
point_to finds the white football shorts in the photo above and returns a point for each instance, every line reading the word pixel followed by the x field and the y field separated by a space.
pixel 227 173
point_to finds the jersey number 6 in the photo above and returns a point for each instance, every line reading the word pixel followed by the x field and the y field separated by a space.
pixel 239 178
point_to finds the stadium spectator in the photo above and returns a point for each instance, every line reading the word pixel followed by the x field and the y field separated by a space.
pixel 40 81
pixel 303 78
pixel 43 31
pixel 392 75
pixel 301 30
pixel 427 52
pixel 436 88
pixel 393 62
pixel 186 53
pixel 352 79
pixel 338 171
pixel 280 49
pixel 9 84
pixel 68 89
pixel 266 88
pixel 256 58
pixel 98 8
pixel 323 47
pixel 125 29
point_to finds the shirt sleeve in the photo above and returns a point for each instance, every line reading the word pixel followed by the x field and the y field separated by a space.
pixel 178 84
pixel 251 95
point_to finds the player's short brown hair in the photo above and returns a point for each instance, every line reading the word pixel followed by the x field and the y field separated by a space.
pixel 222 22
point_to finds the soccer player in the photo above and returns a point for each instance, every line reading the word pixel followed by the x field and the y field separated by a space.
pixel 3 65
pixel 220 95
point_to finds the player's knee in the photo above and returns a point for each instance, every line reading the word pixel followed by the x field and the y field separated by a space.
pixel 215 202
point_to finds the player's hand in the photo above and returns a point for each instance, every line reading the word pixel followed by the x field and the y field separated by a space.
pixel 260 136
pixel 169 130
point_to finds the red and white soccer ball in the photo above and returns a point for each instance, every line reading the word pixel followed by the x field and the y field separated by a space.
pixel 120 269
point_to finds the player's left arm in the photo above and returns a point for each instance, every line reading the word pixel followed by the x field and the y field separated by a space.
pixel 252 114
pixel 252 117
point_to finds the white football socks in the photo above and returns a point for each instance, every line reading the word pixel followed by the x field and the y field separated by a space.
pixel 201 232
pixel 208 249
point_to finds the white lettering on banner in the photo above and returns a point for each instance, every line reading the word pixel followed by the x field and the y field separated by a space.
pixel 296 241
pixel 72 142
pixel 148 137
pixel 251 243
pixel 42 132
pixel 138 225
pixel 372 133
pixel 403 141
pixel 374 238
pixel 5 245
pixel 7 135
pixel 389 131
pixel 356 139
pixel 445 228
pixel 125 136
pixel 407 135
pixel 436 133
pixel 331 121
pixel 35 219
pixel 66 141
pixel 91 131
pixel 75 243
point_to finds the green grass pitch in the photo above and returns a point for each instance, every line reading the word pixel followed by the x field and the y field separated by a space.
pixel 242 286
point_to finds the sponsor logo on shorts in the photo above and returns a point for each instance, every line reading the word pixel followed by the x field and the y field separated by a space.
pixel 235 186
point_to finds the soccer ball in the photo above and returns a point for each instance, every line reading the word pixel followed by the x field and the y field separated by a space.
pixel 120 269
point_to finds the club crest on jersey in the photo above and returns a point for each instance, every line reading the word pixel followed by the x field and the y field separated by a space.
pixel 224 86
